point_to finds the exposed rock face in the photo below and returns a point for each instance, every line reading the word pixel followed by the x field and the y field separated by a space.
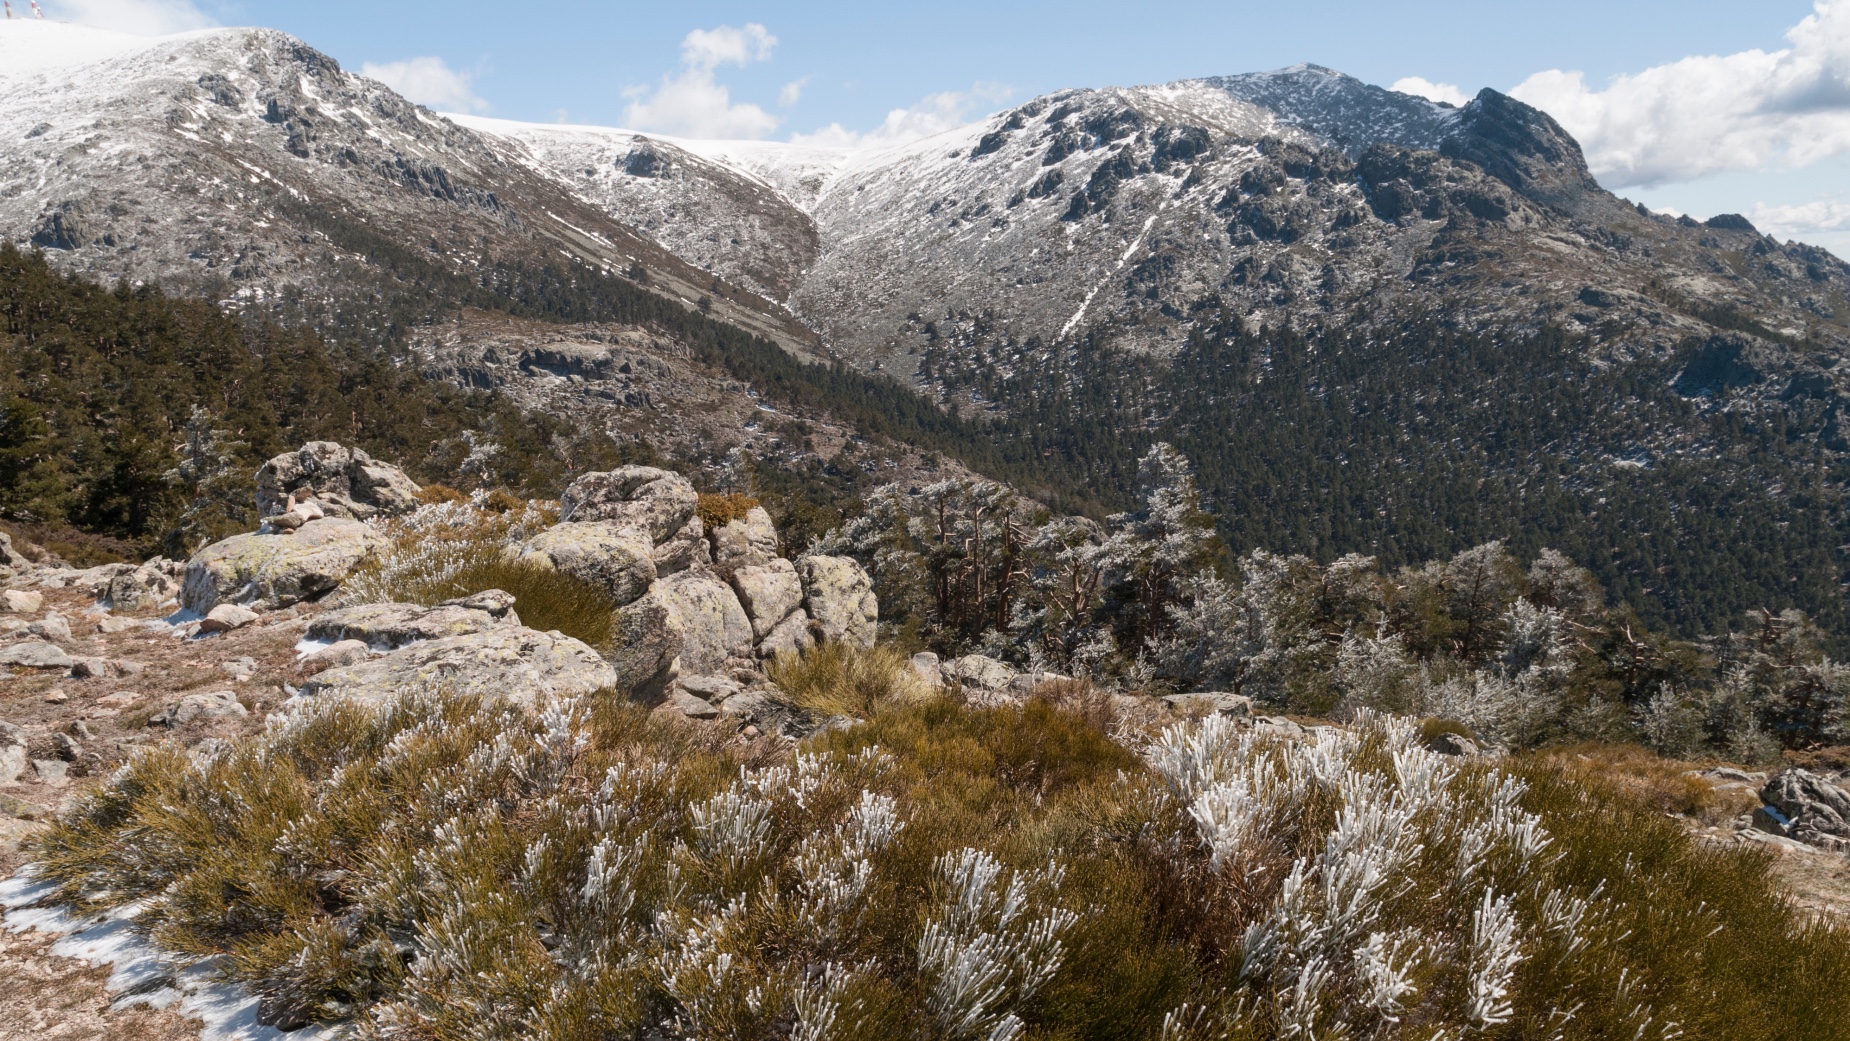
pixel 333 656
pixel 745 541
pixel 840 598
pixel 713 625
pixel 511 661
pixel 684 549
pixel 614 554
pixel 651 500
pixel 769 593
pixel 791 636
pixel 1816 811
pixel 21 601
pixel 1211 703
pixel 979 673
pixel 276 570
pixel 646 639
pixel 389 626
pixel 346 482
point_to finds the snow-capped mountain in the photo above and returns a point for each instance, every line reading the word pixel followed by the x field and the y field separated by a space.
pixel 245 164
pixel 1113 212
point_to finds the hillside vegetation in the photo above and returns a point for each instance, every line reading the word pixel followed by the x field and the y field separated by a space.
pixel 443 867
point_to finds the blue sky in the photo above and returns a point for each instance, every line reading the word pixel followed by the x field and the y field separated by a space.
pixel 1726 135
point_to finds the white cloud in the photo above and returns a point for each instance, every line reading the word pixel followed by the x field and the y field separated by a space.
pixel 934 114
pixel 692 103
pixel 792 92
pixel 1419 86
pixel 1745 111
pixel 429 82
pixel 726 45
pixel 1804 221
pixel 142 17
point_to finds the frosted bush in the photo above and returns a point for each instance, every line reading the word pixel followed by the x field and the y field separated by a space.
pixel 1345 942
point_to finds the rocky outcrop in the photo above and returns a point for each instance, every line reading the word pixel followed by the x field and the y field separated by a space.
pixel 390 626
pixel 1810 808
pixel 509 661
pixel 345 481
pixel 840 598
pixel 276 570
pixel 654 501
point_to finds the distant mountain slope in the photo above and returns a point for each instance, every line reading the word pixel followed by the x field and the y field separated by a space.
pixel 245 164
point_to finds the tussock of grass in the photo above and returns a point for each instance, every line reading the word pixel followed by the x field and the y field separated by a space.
pixel 450 868
pixel 717 511
pixel 838 680
pixel 1639 776
pixel 453 548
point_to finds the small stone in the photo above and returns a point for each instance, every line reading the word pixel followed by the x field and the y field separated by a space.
pixel 52 627
pixel 36 655
pixel 21 601
pixel 57 697
pixel 127 668
pixel 221 704
pixel 333 656
pixel 115 624
pixel 240 669
pixel 690 706
pixel 91 668
pixel 751 731
pixel 713 690
pixel 50 771
pixel 82 730
pixel 67 748
pixel 12 752
pixel 119 699
pixel 226 617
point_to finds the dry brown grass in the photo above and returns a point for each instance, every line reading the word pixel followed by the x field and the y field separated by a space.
pixel 1667 785
pixel 716 511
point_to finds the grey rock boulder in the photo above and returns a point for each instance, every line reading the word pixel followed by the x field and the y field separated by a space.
pixel 194 708
pixel 21 601
pixel 927 667
pixel 769 592
pixel 840 597
pixel 145 587
pixel 51 627
pixel 333 656
pixel 389 626
pixel 690 706
pixel 707 612
pixel 345 482
pixel 12 753
pixel 616 555
pixel 277 570
pixel 521 664
pixel 656 501
pixel 36 654
pixel 979 672
pixel 744 541
pixel 1817 811
pixel 226 617
pixel 1210 703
